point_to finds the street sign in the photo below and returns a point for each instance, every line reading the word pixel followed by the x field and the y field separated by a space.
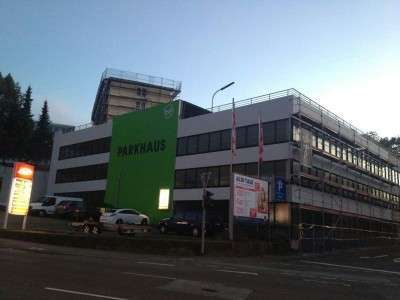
pixel 21 187
pixel 280 189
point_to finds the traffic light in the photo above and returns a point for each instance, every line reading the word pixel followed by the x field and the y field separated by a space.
pixel 207 200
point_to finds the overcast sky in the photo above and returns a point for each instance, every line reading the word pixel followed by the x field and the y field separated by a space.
pixel 343 54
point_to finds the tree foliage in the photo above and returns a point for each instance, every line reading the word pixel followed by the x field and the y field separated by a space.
pixel 17 128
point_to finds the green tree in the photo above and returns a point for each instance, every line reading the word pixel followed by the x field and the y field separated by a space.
pixel 10 118
pixel 27 124
pixel 42 140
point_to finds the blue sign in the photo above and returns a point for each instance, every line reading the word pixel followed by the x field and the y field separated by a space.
pixel 280 189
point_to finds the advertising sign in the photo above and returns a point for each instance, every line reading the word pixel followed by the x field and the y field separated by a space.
pixel 142 160
pixel 21 188
pixel 250 197
pixel 280 189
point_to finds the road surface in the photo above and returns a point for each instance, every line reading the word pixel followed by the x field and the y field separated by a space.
pixel 38 271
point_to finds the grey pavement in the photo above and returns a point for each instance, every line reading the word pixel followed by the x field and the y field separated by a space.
pixel 39 271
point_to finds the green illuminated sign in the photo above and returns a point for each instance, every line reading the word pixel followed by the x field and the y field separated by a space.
pixel 142 161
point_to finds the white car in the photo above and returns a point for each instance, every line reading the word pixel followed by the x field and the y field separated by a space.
pixel 124 216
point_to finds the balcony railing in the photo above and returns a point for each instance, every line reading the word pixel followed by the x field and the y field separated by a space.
pixel 154 80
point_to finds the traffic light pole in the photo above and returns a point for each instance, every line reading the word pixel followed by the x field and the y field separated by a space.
pixel 203 227
pixel 205 177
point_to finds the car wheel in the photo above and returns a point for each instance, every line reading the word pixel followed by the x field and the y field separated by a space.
pixel 195 232
pixel 86 229
pixel 144 222
pixel 119 221
pixel 96 229
pixel 42 213
pixel 163 229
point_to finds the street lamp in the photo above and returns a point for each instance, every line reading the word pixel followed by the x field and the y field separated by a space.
pixel 221 89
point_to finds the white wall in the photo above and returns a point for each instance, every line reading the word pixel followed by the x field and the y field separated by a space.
pixel 92 133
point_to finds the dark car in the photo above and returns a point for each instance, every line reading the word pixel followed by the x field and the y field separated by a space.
pixel 181 225
pixel 68 208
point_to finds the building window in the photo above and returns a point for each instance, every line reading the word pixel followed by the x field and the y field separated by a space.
pixel 282 131
pixel 84 149
pixel 225 139
pixel 241 137
pixel 296 133
pixel 204 142
pixel 224 176
pixel 85 173
pixel 213 181
pixel 141 92
pixel 179 178
pixel 269 133
pixel 182 146
pixel 190 178
pixel 252 136
pixel 192 144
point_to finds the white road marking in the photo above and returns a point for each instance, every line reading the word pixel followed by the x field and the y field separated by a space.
pixel 83 293
pixel 237 272
pixel 381 256
pixel 36 249
pixel 155 263
pixel 365 257
pixel 326 282
pixel 149 275
pixel 396 260
pixel 351 267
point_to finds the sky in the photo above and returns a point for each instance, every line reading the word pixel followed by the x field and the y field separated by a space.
pixel 343 54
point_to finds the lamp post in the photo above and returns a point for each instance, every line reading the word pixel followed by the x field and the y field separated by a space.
pixel 221 89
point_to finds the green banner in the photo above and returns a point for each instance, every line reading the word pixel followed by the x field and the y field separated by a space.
pixel 142 161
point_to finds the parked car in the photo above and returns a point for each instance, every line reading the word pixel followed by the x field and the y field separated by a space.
pixel 181 225
pixel 47 204
pixel 124 216
pixel 67 208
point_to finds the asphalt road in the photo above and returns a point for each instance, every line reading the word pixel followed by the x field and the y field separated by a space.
pixel 38 271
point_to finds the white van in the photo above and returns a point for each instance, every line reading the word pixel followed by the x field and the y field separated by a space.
pixel 46 205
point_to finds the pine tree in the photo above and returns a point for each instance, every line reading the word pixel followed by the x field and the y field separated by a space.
pixel 42 136
pixel 10 117
pixel 27 124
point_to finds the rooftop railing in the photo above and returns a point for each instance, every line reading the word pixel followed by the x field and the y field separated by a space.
pixel 154 80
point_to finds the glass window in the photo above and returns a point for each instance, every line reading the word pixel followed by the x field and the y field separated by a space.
pixel 214 176
pixel 239 168
pixel 333 149
pixel 241 137
pixel 320 144
pixel 215 141
pixel 203 142
pixel 326 145
pixel 267 169
pixel 296 133
pixel 182 145
pixel 252 169
pixel 282 131
pixel 190 178
pixel 314 140
pixel 199 173
pixel 180 178
pixel 192 144
pixel 224 174
pixel 269 133
pixel 252 135
pixel 226 139
pixel 280 168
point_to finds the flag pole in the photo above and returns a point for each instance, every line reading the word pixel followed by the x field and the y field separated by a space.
pixel 233 153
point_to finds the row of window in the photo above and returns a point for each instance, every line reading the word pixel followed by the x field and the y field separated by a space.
pixel 220 175
pixel 86 148
pixel 247 136
pixel 85 173
pixel 358 158
pixel 339 185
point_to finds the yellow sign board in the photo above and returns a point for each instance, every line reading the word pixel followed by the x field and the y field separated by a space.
pixel 21 189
